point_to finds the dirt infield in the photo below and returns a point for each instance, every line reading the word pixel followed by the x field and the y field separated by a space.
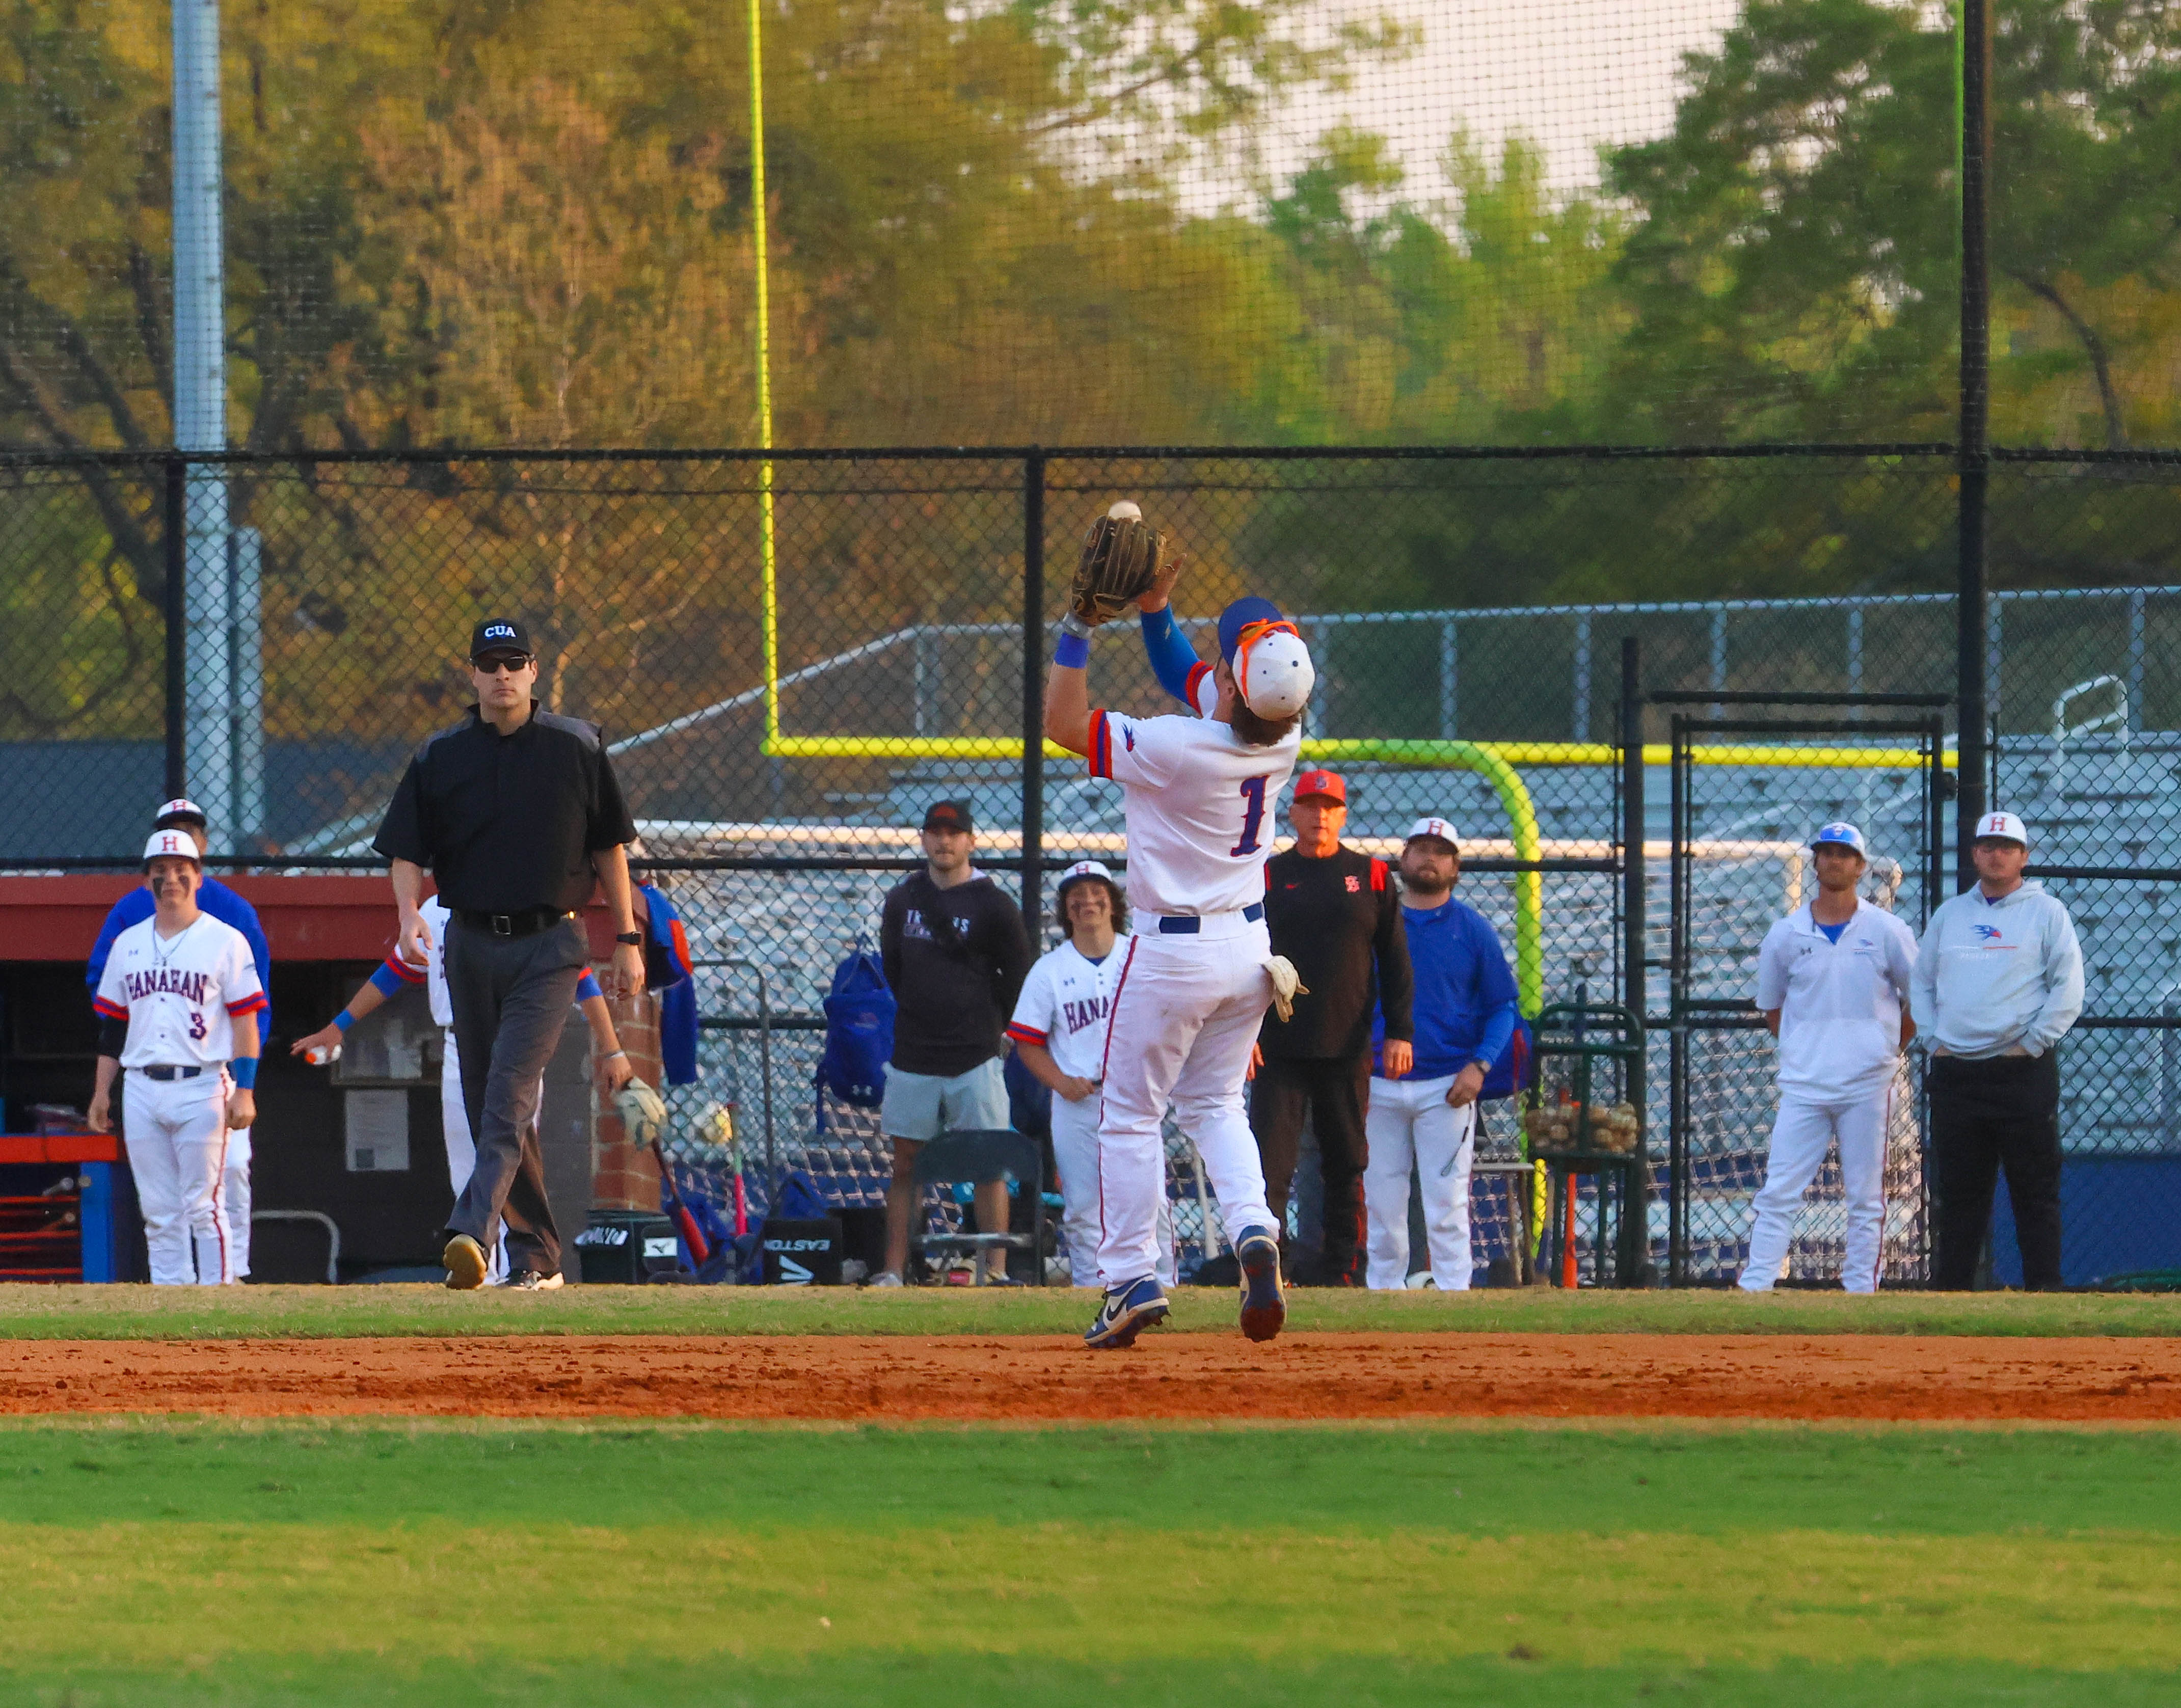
pixel 1177 1376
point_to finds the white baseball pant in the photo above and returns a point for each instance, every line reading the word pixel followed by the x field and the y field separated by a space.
pixel 1075 1153
pixel 1801 1134
pixel 177 1138
pixel 461 1145
pixel 234 1195
pixel 1184 1015
pixel 1410 1126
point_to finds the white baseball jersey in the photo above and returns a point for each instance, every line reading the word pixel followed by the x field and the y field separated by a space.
pixel 1840 1003
pixel 435 962
pixel 179 993
pixel 1063 1006
pixel 1200 804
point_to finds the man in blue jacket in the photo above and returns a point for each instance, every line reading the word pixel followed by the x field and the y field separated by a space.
pixel 1464 1014
pixel 223 905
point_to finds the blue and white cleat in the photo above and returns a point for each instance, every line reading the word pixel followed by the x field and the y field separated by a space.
pixel 1264 1305
pixel 1126 1313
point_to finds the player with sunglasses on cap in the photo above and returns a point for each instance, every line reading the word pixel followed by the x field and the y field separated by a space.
pixel 1198 972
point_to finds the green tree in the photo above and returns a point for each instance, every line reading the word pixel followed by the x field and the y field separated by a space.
pixel 1793 267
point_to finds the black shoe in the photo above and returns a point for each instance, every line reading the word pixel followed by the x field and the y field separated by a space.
pixel 1264 1304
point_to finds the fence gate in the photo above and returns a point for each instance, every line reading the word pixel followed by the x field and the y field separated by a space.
pixel 1753 776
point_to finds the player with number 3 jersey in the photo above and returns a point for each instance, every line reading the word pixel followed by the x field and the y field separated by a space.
pixel 178 1005
pixel 1197 971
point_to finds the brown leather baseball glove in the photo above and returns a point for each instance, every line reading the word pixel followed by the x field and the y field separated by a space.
pixel 1120 561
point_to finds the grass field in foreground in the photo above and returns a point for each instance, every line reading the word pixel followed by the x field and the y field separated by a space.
pixel 364 1564
pixel 111 1313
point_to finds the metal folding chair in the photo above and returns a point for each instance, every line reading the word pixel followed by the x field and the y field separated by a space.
pixel 972 1159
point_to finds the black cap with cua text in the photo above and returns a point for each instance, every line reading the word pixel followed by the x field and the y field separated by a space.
pixel 496 635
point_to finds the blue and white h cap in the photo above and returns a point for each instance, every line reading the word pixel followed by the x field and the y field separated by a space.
pixel 1841 834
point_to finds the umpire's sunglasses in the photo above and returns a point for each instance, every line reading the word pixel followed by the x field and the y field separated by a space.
pixel 493 664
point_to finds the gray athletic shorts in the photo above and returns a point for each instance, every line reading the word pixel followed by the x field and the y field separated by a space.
pixel 923 1105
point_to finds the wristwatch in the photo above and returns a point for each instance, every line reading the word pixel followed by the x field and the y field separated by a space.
pixel 633 938
pixel 1482 1066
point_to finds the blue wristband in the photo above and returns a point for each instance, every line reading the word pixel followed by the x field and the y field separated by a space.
pixel 1071 652
pixel 344 1020
pixel 244 1068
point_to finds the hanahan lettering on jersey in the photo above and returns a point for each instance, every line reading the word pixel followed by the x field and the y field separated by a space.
pixel 1078 1012
pixel 172 981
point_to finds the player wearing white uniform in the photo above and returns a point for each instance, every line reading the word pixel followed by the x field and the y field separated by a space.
pixel 1059 1032
pixel 181 989
pixel 1832 983
pixel 396 974
pixel 1197 973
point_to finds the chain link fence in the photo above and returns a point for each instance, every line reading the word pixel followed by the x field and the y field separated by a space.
pixel 792 656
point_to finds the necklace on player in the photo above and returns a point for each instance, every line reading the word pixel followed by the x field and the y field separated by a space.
pixel 160 961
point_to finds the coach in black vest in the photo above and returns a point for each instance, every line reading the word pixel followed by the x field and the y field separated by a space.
pixel 517 814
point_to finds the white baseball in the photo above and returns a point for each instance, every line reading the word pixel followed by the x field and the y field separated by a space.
pixel 1126 511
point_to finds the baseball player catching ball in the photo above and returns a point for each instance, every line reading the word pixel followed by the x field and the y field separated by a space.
pixel 1832 984
pixel 396 975
pixel 1197 973
pixel 179 1002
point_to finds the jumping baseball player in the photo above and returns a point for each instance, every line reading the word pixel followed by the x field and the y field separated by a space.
pixel 396 975
pixel 224 905
pixel 1059 1031
pixel 1198 971
pixel 179 1000
pixel 1833 984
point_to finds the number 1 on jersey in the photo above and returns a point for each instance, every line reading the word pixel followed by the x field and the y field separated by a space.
pixel 1253 820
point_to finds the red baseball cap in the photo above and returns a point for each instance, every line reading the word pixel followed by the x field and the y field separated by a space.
pixel 1321 783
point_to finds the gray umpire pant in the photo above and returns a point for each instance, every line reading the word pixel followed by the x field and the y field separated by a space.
pixel 510 997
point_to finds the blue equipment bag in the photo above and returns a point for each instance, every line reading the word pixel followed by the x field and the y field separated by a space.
pixel 859 1010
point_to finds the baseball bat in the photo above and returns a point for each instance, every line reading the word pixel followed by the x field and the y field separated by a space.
pixel 685 1224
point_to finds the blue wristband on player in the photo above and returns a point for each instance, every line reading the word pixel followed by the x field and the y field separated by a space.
pixel 344 1020
pixel 1071 652
pixel 245 1070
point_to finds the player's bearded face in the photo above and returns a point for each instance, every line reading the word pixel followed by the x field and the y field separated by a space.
pixel 1429 865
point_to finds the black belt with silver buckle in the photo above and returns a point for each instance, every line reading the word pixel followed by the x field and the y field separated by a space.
pixel 164 1074
pixel 527 923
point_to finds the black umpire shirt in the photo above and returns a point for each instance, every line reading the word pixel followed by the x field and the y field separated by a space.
pixel 1337 919
pixel 508 822
pixel 956 960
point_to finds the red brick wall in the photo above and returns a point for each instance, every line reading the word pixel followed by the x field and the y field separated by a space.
pixel 623 1177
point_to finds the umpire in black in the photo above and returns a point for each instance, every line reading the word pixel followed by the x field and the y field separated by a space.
pixel 1335 913
pixel 517 814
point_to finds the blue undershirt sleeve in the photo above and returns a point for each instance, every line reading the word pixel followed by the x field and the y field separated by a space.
pixel 1491 1045
pixel 386 981
pixel 1171 655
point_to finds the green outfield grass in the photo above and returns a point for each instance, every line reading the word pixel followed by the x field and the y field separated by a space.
pixel 364 1564
pixel 102 1312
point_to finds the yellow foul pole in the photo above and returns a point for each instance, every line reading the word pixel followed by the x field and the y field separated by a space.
pixel 765 540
